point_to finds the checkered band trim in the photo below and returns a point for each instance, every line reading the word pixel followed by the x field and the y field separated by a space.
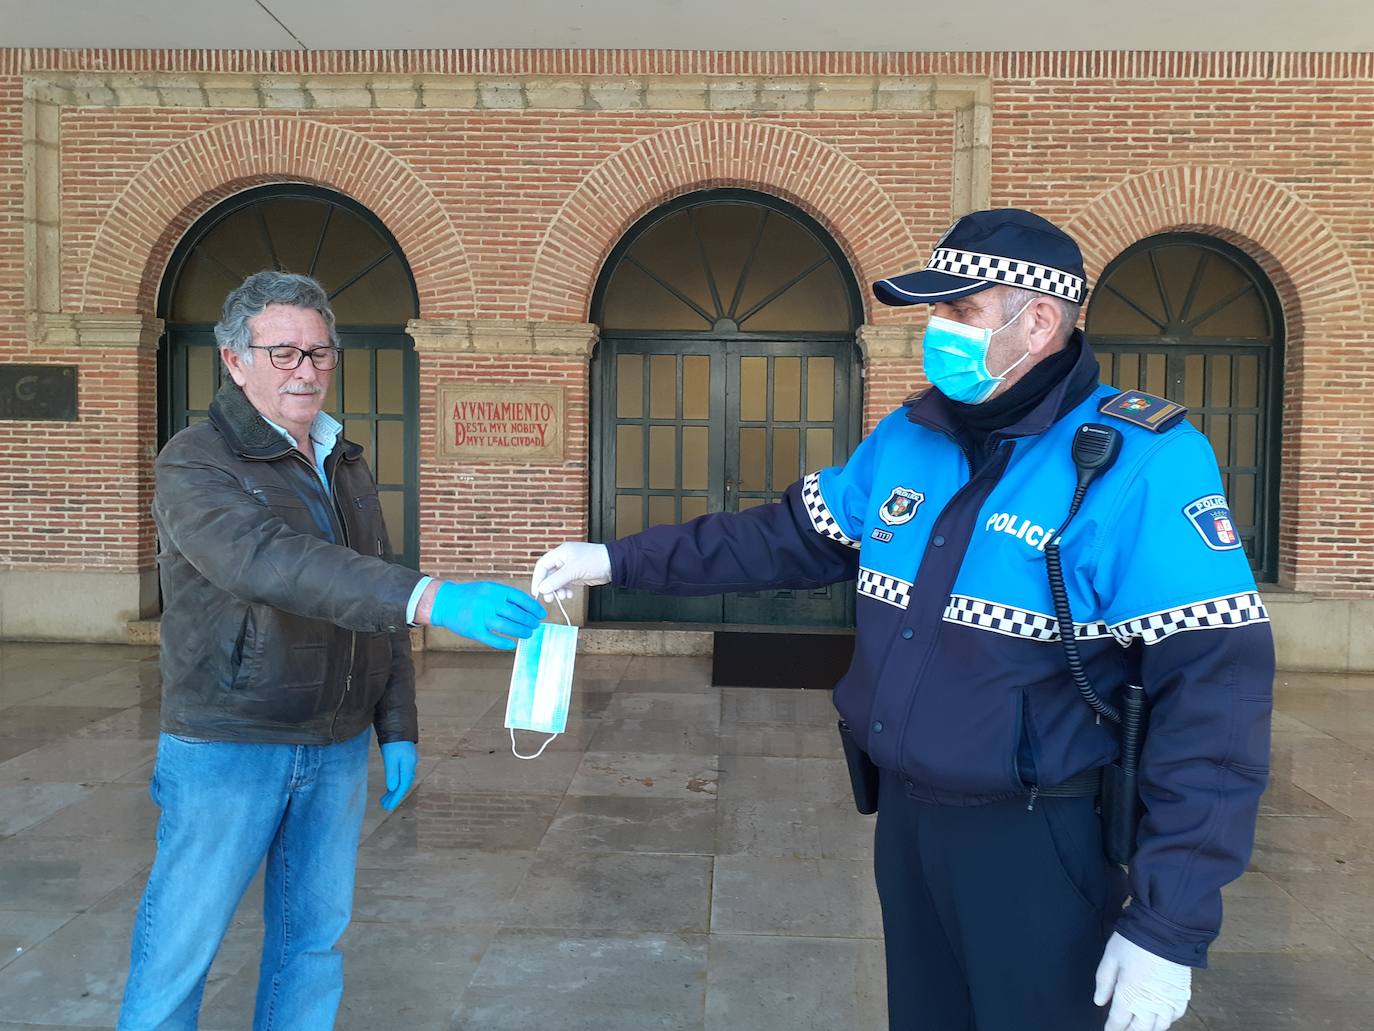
pixel 821 519
pixel 1022 623
pixel 1026 274
pixel 881 587
pixel 1235 610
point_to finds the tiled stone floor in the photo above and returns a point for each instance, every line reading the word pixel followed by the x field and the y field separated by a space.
pixel 685 857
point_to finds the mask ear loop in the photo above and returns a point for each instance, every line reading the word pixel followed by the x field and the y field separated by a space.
pixel 536 755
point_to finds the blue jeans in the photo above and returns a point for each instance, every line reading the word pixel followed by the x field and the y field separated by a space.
pixel 225 806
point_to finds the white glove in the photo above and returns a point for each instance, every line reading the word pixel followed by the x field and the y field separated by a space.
pixel 568 565
pixel 1147 993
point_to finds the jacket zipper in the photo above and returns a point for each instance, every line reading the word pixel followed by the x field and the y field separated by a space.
pixel 930 646
pixel 352 634
pixel 343 530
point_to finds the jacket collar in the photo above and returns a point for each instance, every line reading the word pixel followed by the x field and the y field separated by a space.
pixel 932 409
pixel 249 435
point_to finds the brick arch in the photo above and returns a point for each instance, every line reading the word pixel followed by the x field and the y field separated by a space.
pixel 774 159
pixel 1302 257
pixel 134 242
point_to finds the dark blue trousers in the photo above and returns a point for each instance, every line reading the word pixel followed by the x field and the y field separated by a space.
pixel 994 916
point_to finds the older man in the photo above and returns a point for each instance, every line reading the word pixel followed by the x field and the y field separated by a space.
pixel 1001 910
pixel 285 642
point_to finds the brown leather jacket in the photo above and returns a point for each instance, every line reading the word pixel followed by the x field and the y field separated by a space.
pixel 270 632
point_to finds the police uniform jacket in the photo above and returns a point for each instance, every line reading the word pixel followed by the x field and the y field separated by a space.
pixel 959 682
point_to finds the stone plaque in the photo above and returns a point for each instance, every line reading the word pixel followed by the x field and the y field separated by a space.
pixel 38 392
pixel 502 424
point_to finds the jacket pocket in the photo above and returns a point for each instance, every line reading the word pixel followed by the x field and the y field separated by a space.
pixel 276 498
pixel 244 660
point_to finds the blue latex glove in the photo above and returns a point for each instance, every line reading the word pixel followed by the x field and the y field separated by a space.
pixel 483 611
pixel 399 759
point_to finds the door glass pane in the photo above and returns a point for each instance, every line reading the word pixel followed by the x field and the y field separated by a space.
pixel 1192 380
pixel 662 457
pixel 391 382
pixel 1240 317
pixel 1247 440
pixel 753 389
pixel 355 364
pixel 820 446
pixel 201 288
pixel 360 432
pixel 629 386
pixel 629 514
pixel 692 507
pixel 696 447
pixel 728 232
pixel 391 466
pixel 1128 371
pixel 1132 279
pixel 820 389
pixel 200 377
pixel 787 389
pixel 786 457
pixel 635 301
pixel 753 443
pixel 819 303
pixel 394 515
pixel 1156 369
pixel 1220 393
pixel 1242 500
pixel 1110 315
pixel 629 456
pixel 746 503
pixel 696 386
pixel 1177 266
pixel 1247 381
pixel 662 510
pixel 380 297
pixel 663 386
pixel 1218 431
pixel 669 251
pixel 785 251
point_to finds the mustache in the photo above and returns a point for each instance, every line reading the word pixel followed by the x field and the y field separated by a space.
pixel 301 388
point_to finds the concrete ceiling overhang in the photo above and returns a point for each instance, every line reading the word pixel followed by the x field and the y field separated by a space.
pixel 863 25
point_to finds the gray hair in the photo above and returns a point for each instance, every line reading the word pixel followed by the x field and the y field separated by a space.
pixel 1014 298
pixel 257 292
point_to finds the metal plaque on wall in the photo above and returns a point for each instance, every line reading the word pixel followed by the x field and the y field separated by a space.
pixel 502 424
pixel 38 392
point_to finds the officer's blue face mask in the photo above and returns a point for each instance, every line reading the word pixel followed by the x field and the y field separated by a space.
pixel 541 683
pixel 955 357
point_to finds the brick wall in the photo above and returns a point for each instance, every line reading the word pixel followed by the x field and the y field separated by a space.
pixel 506 196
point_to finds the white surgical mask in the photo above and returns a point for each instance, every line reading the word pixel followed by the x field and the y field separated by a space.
pixel 541 683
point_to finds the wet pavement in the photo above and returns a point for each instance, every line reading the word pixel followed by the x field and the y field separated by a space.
pixel 684 857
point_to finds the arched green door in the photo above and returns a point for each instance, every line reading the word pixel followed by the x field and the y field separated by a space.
pixel 726 371
pixel 1191 318
pixel 375 389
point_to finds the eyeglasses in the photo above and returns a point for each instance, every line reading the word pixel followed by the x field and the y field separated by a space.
pixel 284 356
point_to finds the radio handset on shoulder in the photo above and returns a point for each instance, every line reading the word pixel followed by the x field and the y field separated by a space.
pixel 1095 449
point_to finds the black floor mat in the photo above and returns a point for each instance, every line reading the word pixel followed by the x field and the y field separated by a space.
pixel 762 659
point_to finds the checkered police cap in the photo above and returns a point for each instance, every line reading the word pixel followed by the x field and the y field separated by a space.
pixel 1001 247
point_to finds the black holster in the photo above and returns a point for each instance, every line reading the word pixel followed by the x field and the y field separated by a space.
pixel 1120 791
pixel 863 772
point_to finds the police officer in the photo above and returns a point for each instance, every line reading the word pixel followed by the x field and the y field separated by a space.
pixel 1000 910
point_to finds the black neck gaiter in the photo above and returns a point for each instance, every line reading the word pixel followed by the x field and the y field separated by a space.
pixel 977 422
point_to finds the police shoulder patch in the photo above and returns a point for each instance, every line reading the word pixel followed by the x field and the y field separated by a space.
pixel 1153 413
pixel 1211 518
pixel 900 506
